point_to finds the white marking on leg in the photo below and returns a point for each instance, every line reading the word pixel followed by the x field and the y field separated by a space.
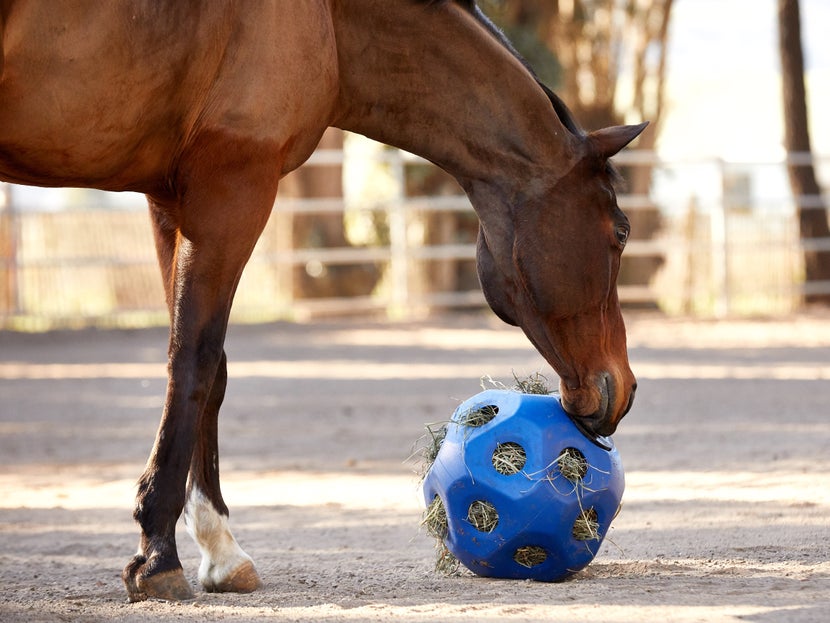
pixel 221 554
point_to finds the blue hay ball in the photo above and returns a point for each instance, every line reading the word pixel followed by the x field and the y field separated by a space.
pixel 526 494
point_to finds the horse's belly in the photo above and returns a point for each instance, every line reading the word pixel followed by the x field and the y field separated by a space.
pixel 69 112
pixel 40 151
pixel 47 154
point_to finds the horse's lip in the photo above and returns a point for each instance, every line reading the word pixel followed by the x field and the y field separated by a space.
pixel 630 401
pixel 599 425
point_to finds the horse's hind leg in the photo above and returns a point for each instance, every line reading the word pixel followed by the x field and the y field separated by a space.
pixel 225 566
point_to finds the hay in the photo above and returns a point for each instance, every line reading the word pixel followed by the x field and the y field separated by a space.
pixel 478 417
pixel 530 556
pixel 445 561
pixel 536 383
pixel 434 437
pixel 572 465
pixel 586 526
pixel 486 381
pixel 509 458
pixel 434 519
pixel 483 516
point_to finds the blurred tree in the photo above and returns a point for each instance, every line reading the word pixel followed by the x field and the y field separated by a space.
pixel 319 231
pixel 606 58
pixel 812 218
pixel 610 68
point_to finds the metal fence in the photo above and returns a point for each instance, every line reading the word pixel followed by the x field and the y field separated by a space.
pixel 727 244
pixel 729 234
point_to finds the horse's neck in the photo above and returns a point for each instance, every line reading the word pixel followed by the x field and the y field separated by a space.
pixel 432 80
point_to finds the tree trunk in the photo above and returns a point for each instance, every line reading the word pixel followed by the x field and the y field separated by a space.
pixel 649 30
pixel 318 231
pixel 812 218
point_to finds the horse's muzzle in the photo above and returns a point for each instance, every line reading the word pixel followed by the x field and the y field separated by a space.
pixel 603 417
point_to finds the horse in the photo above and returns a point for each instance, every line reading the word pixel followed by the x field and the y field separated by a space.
pixel 204 106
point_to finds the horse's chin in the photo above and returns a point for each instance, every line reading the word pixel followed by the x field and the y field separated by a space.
pixel 593 426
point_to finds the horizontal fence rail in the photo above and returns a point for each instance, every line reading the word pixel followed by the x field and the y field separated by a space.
pixel 722 238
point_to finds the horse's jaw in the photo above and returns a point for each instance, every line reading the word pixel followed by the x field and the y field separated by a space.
pixel 596 383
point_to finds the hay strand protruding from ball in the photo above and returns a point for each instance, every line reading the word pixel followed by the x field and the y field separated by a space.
pixel 434 437
pixel 509 458
pixel 434 519
pixel 586 526
pixel 536 383
pixel 483 516
pixel 572 465
pixel 436 524
pixel 478 416
pixel 445 561
pixel 530 556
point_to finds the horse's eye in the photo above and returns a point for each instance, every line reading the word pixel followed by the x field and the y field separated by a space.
pixel 622 234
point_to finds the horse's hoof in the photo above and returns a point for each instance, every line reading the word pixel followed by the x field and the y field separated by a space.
pixel 133 594
pixel 167 585
pixel 243 579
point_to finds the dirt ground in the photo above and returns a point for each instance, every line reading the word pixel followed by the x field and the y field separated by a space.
pixel 726 514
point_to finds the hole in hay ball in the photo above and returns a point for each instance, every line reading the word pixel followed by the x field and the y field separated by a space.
pixel 483 516
pixel 530 556
pixel 586 526
pixel 572 465
pixel 435 519
pixel 479 417
pixel 509 458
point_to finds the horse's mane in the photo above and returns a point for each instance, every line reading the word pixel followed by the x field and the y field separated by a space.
pixel 562 111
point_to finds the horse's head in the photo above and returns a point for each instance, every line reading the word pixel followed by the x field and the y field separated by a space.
pixel 551 268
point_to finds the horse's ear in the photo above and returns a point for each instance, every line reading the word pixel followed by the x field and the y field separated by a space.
pixel 609 141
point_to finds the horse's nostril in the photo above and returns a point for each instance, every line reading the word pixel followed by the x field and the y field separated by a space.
pixel 606 392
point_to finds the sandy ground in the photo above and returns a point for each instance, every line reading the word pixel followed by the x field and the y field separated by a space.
pixel 726 514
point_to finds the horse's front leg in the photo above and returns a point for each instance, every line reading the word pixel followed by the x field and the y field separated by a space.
pixel 196 344
pixel 202 256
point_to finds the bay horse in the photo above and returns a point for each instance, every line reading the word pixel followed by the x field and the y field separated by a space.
pixel 204 106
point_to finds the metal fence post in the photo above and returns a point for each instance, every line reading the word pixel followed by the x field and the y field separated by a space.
pixel 12 246
pixel 720 250
pixel 398 242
